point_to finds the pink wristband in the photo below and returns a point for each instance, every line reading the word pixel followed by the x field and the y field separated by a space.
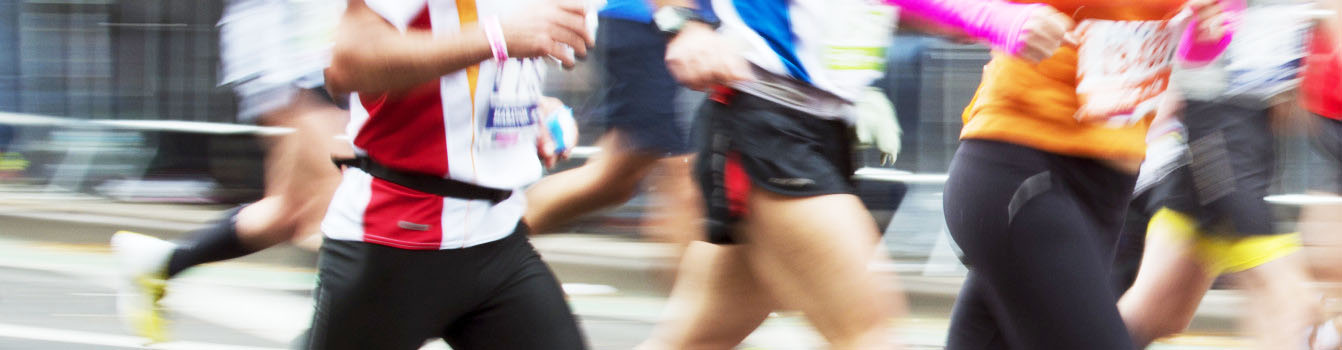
pixel 1194 53
pixel 494 33
pixel 999 22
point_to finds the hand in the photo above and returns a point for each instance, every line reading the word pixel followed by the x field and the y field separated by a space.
pixel 700 59
pixel 545 147
pixel 549 28
pixel 1045 31
pixel 1213 18
pixel 545 143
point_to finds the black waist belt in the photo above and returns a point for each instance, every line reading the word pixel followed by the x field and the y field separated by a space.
pixel 426 183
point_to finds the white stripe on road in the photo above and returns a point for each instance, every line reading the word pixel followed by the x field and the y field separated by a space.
pixel 103 339
pixel 1303 199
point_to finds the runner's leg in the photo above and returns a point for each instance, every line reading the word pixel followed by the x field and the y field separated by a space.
pixel 300 181
pixel 973 325
pixel 523 307
pixel 1041 242
pixel 609 178
pixel 812 253
pixel 677 213
pixel 371 296
pixel 1170 283
pixel 1283 305
pixel 716 301
pixel 300 177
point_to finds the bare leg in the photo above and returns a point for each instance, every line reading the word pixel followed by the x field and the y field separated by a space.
pixel 716 302
pixel 1283 304
pixel 1170 284
pixel 300 177
pixel 608 179
pixel 1321 228
pixel 677 215
pixel 813 253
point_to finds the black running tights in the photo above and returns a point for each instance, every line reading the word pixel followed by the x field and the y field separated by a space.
pixel 1038 232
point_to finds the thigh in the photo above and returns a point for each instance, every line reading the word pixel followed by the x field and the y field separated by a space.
pixel 1171 281
pixel 1053 277
pixel 358 307
pixel 716 302
pixel 812 253
pixel 973 326
pixel 526 311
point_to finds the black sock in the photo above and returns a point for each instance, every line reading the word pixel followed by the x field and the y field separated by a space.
pixel 217 242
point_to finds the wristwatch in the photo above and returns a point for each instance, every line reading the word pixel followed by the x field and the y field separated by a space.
pixel 671 19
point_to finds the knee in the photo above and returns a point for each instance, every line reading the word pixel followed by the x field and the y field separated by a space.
pixel 1152 328
pixel 1169 326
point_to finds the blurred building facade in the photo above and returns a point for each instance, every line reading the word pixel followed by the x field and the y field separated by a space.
pixel 113 59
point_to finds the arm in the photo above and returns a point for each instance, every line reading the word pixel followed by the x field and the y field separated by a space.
pixel 1030 31
pixel 999 22
pixel 371 55
pixel 698 57
pixel 914 22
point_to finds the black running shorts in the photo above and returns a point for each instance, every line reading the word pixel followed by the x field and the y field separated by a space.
pixel 1231 158
pixel 748 141
pixel 497 295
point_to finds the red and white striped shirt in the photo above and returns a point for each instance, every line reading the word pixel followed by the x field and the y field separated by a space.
pixel 432 129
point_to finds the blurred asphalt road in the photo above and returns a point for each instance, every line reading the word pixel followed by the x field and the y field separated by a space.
pixel 57 273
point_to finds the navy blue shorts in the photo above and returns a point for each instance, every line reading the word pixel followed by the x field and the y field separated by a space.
pixel 639 98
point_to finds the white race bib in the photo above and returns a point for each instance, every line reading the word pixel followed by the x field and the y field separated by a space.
pixel 511 119
pixel 1123 69
pixel 856 37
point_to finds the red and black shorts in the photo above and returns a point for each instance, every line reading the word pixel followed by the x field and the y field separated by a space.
pixel 745 141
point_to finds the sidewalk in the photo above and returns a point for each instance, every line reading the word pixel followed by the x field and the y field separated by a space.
pixel 629 265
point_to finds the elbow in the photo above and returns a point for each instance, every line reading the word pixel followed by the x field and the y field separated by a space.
pixel 341 76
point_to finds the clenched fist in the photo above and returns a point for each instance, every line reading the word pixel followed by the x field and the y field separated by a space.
pixel 549 28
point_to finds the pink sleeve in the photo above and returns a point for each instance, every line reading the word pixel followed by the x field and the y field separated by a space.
pixel 1194 53
pixel 999 22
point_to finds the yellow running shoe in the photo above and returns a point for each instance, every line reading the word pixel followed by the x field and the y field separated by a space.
pixel 144 265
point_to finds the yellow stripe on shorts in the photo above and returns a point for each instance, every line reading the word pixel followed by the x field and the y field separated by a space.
pixel 1223 254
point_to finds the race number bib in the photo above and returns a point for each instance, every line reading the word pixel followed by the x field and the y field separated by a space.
pixel 511 119
pixel 856 37
pixel 1123 69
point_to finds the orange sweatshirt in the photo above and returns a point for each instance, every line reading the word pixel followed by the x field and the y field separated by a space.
pixel 1125 57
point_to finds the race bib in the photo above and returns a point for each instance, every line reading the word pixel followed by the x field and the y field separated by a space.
pixel 856 37
pixel 1123 69
pixel 511 119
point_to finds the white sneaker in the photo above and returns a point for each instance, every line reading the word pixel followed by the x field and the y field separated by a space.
pixel 144 271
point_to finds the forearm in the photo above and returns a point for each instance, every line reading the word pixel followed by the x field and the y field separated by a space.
pixel 372 56
pixel 998 22
pixel 914 22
